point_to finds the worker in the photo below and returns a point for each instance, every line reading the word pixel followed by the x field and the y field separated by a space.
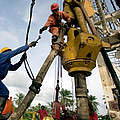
pixel 8 109
pixel 75 116
pixel 63 107
pixel 5 65
pixel 56 110
pixel 94 116
pixel 42 112
pixel 92 113
pixel 54 21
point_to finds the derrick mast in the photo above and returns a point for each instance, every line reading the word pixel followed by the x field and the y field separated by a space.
pixel 107 25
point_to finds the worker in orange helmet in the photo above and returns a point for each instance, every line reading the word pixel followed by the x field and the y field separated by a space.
pixel 54 21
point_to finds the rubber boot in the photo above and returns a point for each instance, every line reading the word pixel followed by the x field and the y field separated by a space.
pixel 2 105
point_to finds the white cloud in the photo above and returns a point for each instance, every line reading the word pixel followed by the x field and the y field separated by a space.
pixel 8 39
pixel 38 10
pixel 18 80
pixel 95 88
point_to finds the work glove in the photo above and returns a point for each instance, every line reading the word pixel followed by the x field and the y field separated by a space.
pixel 42 29
pixel 33 44
pixel 23 58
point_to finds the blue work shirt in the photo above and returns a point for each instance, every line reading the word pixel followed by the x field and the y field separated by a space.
pixel 5 63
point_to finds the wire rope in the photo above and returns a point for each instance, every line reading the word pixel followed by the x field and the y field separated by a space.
pixel 28 69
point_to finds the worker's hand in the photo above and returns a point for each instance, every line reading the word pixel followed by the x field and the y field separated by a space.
pixel 33 44
pixel 24 56
pixel 42 29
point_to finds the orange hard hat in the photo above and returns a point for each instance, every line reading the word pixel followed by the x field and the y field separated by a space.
pixel 4 49
pixel 54 6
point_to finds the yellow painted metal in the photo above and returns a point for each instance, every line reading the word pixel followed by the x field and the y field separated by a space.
pixel 34 113
pixel 80 52
pixel 76 14
pixel 67 9
pixel 33 117
pixel 80 19
pixel 48 118
pixel 105 45
pixel 21 118
pixel 88 5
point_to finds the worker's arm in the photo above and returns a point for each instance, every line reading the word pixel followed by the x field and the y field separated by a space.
pixel 19 50
pixel 46 113
pixel 48 23
pixel 12 53
pixel 17 65
pixel 42 29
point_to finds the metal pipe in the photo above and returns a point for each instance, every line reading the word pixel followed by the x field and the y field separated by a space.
pixel 81 96
pixel 80 19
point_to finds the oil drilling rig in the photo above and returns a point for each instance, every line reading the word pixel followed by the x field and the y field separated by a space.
pixel 94 34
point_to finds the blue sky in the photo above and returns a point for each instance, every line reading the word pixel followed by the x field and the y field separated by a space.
pixel 14 16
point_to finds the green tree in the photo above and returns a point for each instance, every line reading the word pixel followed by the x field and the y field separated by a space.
pixel 35 108
pixel 49 108
pixel 104 117
pixel 27 115
pixel 18 99
pixel 66 98
pixel 92 103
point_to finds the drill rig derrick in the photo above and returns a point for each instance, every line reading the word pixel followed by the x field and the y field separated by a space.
pixel 110 80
